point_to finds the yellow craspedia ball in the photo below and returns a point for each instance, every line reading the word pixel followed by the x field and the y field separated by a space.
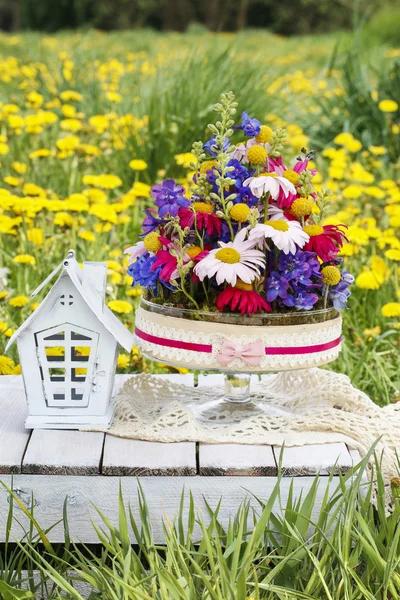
pixel 301 207
pixel 291 176
pixel 207 165
pixel 392 309
pixel 240 212
pixel 152 243
pixel 265 134
pixel 256 155
pixel 330 275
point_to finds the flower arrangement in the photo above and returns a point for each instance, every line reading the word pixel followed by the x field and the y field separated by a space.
pixel 249 236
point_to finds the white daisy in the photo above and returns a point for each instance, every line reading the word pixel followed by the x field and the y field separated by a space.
pixel 135 251
pixel 286 235
pixel 271 183
pixel 276 214
pixel 237 259
pixel 240 151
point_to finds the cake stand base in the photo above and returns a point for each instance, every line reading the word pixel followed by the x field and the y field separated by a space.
pixel 237 403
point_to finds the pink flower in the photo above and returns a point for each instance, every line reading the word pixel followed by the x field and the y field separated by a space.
pixel 168 264
pixel 167 261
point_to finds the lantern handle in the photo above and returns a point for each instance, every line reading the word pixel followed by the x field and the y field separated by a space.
pixel 64 263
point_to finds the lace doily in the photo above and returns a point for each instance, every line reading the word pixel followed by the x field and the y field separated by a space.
pixel 319 407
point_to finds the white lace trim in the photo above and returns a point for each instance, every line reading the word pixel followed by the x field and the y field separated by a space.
pixel 273 337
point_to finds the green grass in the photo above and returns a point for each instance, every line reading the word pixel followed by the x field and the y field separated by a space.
pixel 345 549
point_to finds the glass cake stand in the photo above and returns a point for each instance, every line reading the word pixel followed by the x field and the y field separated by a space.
pixel 243 348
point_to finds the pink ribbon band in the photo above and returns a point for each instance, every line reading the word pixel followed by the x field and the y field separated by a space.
pixel 207 348
pixel 147 337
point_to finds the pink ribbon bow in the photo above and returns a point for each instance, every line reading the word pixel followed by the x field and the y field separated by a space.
pixel 250 354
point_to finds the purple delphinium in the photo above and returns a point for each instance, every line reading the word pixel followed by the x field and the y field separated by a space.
pixel 300 268
pixel 151 222
pixel 250 127
pixel 276 287
pixel 169 197
pixel 142 273
pixel 239 174
pixel 339 294
pixel 212 147
pixel 301 300
pixel 299 265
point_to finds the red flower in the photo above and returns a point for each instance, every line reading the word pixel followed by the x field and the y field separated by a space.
pixel 325 240
pixel 203 215
pixel 242 298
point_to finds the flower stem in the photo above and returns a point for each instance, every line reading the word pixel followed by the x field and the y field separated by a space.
pixel 326 295
pixel 266 204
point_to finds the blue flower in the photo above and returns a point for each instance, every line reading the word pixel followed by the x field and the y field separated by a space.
pixel 339 294
pixel 151 222
pixel 300 267
pixel 142 273
pixel 301 300
pixel 276 286
pixel 212 147
pixel 251 127
pixel 169 198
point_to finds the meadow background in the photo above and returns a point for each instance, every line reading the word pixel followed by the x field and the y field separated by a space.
pixel 90 120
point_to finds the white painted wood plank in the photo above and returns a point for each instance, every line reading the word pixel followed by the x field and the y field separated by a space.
pixel 63 452
pixel 235 459
pixel 313 459
pixel 163 496
pixel 136 457
pixel 13 435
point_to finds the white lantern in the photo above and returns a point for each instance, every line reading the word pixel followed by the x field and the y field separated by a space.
pixel 68 350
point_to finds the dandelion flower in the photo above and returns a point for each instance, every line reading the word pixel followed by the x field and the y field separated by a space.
pixel 7 365
pixel 137 164
pixel 123 307
pixel 388 106
pixel 392 309
pixel 18 301
pixel 24 259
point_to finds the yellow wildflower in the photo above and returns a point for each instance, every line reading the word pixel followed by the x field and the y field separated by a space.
pixel 137 164
pixel 123 361
pixel 24 259
pixel 7 365
pixel 19 167
pixel 388 106
pixel 122 307
pixel 87 235
pixel 18 301
pixel 392 309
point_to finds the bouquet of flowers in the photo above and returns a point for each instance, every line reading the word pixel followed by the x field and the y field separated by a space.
pixel 248 236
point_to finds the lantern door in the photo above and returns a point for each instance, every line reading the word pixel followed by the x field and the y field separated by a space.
pixel 67 356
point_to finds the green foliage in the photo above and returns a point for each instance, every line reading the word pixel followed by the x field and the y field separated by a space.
pixel 384 28
pixel 345 549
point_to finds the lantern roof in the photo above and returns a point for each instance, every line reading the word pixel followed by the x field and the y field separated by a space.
pixel 90 283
